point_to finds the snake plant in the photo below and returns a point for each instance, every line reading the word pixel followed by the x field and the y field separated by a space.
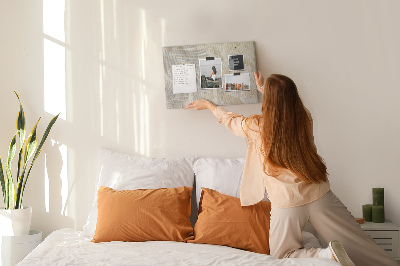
pixel 27 149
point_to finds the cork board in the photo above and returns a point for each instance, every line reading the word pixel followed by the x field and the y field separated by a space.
pixel 218 89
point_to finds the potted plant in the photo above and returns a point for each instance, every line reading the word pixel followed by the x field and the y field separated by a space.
pixel 15 219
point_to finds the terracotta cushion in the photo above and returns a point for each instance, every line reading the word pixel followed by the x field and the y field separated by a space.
pixel 143 215
pixel 223 221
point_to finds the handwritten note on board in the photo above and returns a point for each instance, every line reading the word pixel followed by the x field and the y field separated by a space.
pixel 184 78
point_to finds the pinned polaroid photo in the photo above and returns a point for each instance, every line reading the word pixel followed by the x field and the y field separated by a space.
pixel 236 62
pixel 210 73
pixel 239 82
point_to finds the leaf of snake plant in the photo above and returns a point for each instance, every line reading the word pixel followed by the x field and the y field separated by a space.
pixel 30 144
pixel 39 148
pixel 11 151
pixel 3 184
pixel 29 150
pixel 21 130
pixel 10 182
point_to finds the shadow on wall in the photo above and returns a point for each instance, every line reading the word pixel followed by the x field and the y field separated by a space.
pixel 94 73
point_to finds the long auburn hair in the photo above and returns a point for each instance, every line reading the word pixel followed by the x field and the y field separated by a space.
pixel 287 131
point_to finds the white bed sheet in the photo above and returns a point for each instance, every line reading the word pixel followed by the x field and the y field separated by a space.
pixel 70 247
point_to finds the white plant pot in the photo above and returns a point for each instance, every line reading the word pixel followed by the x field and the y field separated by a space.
pixel 15 222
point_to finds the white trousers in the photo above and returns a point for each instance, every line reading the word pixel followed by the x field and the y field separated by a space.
pixel 332 221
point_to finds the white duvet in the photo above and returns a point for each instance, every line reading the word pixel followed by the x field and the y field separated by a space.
pixel 70 247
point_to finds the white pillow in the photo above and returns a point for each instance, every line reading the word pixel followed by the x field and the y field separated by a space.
pixel 126 172
pixel 222 175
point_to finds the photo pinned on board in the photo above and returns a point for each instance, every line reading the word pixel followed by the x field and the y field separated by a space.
pixel 236 62
pixel 240 82
pixel 210 73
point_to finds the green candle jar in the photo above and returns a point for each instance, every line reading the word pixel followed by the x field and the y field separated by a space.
pixel 378 214
pixel 378 196
pixel 367 212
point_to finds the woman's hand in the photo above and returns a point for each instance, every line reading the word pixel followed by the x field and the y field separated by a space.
pixel 259 81
pixel 201 105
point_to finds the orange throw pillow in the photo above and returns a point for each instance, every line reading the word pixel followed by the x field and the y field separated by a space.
pixel 223 221
pixel 143 215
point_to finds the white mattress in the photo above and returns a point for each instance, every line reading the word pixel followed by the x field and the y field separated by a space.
pixel 69 247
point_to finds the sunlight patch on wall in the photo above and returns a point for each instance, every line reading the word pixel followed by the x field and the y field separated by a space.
pixel 163 31
pixel 54 57
pixel 103 45
pixel 135 121
pixel 68 64
pixel 147 119
pixel 117 112
pixel 56 178
pixel 64 180
pixel 69 104
pixel 101 100
pixel 54 78
pixel 53 19
pixel 144 122
pixel 115 18
pixel 102 69
pixel 143 34
pixel 46 187
pixel 141 121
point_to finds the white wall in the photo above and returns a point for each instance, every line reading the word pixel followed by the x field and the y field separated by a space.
pixel 100 64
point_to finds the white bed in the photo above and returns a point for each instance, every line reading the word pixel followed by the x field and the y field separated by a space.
pixel 70 247
pixel 125 172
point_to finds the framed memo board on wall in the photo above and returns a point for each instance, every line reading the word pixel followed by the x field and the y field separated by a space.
pixel 221 73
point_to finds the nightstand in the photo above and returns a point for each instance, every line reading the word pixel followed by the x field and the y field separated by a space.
pixel 386 235
pixel 15 248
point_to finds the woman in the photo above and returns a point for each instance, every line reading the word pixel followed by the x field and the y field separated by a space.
pixel 213 73
pixel 282 159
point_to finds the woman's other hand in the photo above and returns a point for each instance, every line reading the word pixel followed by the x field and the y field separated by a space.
pixel 259 81
pixel 201 105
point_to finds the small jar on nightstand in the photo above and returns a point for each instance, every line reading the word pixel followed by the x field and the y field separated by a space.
pixel 386 235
